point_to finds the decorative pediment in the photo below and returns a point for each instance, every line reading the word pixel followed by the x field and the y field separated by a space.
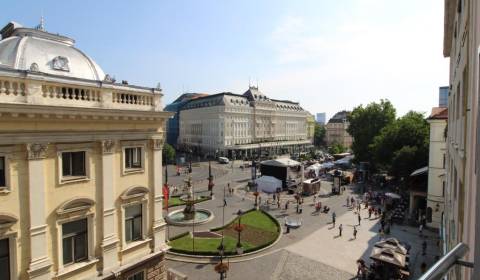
pixel 75 205
pixel 7 220
pixel 134 192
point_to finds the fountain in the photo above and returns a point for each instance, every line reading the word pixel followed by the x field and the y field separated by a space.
pixel 189 215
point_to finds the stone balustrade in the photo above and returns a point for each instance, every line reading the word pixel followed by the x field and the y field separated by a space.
pixel 106 96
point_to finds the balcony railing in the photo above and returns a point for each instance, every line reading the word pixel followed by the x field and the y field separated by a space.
pixel 442 266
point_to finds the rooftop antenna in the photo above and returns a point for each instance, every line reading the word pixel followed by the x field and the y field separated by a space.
pixel 41 25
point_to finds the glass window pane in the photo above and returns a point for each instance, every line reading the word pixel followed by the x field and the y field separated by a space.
pixel 74 227
pixel 128 157
pixel 78 164
pixel 2 171
pixel 4 250
pixel 67 250
pixel 66 159
pixel 128 230
pixel 81 245
pixel 137 228
pixel 133 211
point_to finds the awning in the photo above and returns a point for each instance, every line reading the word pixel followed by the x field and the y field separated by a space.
pixel 389 256
pixel 420 171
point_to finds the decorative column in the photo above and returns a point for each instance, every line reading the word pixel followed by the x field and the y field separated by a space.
pixel 40 263
pixel 158 221
pixel 110 239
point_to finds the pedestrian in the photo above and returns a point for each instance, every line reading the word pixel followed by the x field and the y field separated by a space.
pixel 359 218
pixel 278 204
pixel 274 196
pixel 424 247
pixel 314 199
pixel 369 212
pixel 334 216
pixel 340 228
pixel 355 232
pixel 366 204
pixel 348 201
pixel 224 202
pixel 352 200
pixel 420 230
pixel 286 205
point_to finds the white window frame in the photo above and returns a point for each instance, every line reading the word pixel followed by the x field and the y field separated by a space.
pixel 12 253
pixel 144 203
pixel 125 170
pixel 64 269
pixel 7 188
pixel 71 179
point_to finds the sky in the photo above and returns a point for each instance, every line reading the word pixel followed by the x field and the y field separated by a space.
pixel 327 55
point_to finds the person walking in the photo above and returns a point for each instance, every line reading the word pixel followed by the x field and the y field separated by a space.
pixel 224 202
pixel 333 218
pixel 355 232
pixel 359 218
pixel 370 212
pixel 348 201
pixel 340 228
pixel 420 230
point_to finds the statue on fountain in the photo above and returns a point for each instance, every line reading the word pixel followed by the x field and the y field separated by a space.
pixel 189 210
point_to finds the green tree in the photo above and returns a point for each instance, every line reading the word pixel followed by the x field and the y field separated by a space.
pixel 366 123
pixel 402 146
pixel 319 135
pixel 169 152
pixel 336 148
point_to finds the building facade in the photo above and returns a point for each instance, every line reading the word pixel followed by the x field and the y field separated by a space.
pixel 462 215
pixel 80 165
pixel 311 127
pixel 173 124
pixel 336 130
pixel 321 118
pixel 443 97
pixel 243 125
pixel 436 167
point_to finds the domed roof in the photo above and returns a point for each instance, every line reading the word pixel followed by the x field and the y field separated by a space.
pixel 39 51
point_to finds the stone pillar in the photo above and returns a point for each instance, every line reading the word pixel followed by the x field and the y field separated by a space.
pixel 40 263
pixel 158 221
pixel 109 236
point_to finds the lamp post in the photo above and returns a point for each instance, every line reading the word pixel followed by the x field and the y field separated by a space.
pixel 239 228
pixel 210 177
pixel 254 177
pixel 221 268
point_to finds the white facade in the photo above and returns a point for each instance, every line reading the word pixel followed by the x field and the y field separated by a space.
pixel 230 123
pixel 436 167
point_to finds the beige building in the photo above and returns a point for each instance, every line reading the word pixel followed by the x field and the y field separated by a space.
pixel 311 127
pixel 242 125
pixel 462 211
pixel 336 130
pixel 80 165
pixel 436 167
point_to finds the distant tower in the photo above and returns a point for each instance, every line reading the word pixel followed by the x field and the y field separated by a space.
pixel 321 118
pixel 41 25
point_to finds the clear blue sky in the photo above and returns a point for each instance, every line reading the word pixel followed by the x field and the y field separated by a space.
pixel 328 55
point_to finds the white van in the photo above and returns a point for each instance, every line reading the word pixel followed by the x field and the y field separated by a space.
pixel 223 160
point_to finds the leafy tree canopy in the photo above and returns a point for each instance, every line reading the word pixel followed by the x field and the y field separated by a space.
pixel 169 152
pixel 319 136
pixel 336 148
pixel 366 123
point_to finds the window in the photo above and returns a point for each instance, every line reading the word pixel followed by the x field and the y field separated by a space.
pixel 3 182
pixel 133 158
pixel 75 241
pixel 137 276
pixel 5 259
pixel 73 164
pixel 133 223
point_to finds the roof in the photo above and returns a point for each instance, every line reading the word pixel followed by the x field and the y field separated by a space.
pixel 439 113
pixel 339 117
pixel 281 162
pixel 420 171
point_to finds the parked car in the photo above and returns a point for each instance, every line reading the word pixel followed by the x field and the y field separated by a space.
pixel 223 160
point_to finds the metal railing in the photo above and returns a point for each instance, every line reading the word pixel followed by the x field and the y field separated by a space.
pixel 443 265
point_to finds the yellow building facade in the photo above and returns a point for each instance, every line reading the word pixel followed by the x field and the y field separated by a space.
pixel 80 165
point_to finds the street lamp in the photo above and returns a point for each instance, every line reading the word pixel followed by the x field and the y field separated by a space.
pixel 210 177
pixel 221 268
pixel 190 161
pixel 239 228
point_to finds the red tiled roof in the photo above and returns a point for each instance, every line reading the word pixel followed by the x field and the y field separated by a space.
pixel 439 113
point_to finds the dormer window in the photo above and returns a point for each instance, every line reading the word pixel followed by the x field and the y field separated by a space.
pixel 60 63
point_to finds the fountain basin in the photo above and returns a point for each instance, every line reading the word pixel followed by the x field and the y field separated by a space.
pixel 178 217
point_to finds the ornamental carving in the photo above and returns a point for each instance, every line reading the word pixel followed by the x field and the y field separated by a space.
pixel 108 146
pixel 34 67
pixel 37 150
pixel 60 63
pixel 157 144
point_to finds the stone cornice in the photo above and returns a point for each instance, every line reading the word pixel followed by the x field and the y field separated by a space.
pixel 57 112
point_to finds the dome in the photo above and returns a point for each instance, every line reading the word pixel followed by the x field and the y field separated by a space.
pixel 39 51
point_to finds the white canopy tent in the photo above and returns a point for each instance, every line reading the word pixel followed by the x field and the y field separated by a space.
pixel 268 184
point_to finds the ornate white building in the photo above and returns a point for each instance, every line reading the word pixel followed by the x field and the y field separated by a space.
pixel 80 165
pixel 243 125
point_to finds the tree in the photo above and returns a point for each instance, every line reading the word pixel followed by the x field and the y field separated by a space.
pixel 402 146
pixel 366 123
pixel 336 148
pixel 319 135
pixel 169 152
